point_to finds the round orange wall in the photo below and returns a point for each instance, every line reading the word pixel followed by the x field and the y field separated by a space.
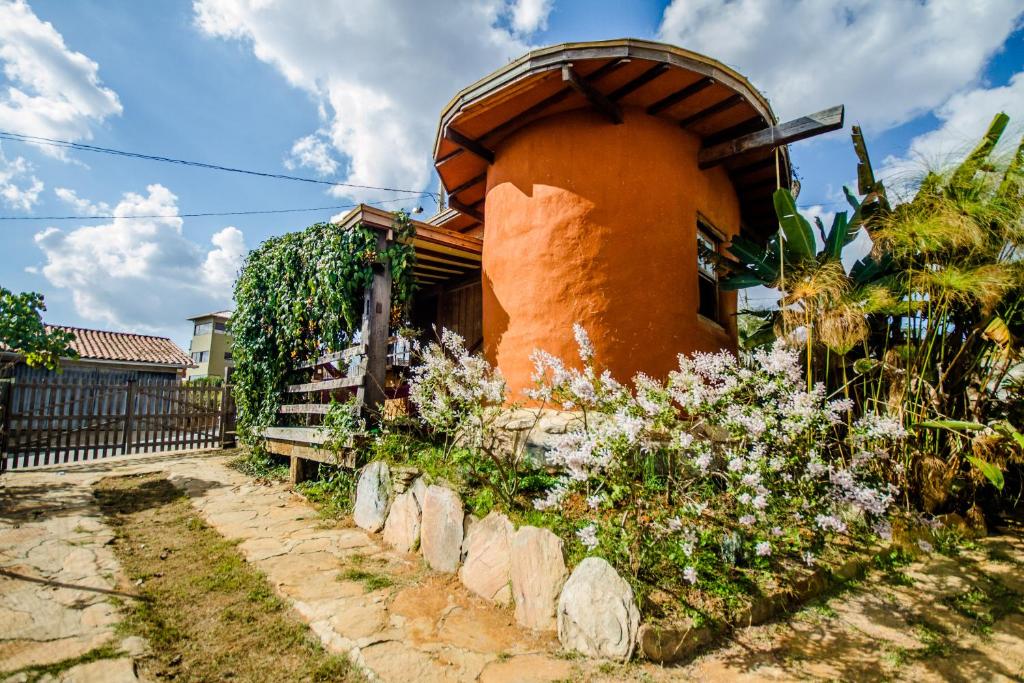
pixel 595 223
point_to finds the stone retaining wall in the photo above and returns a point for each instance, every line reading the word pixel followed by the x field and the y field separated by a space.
pixel 593 609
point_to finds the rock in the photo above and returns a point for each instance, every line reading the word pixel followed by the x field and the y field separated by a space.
pixel 373 496
pixel 537 572
pixel 441 529
pixel 488 558
pixel 134 646
pixel 597 614
pixel 665 644
pixel 468 523
pixel 402 530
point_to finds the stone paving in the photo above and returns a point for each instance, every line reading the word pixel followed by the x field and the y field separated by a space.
pixel 59 577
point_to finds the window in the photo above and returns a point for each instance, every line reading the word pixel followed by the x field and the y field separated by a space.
pixel 227 355
pixel 200 356
pixel 220 327
pixel 707 275
pixel 202 328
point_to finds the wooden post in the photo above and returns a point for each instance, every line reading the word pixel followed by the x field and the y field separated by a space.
pixel 129 408
pixel 302 470
pixel 6 404
pixel 223 416
pixel 376 328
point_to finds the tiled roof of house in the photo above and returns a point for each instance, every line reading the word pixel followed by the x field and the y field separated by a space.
pixel 125 346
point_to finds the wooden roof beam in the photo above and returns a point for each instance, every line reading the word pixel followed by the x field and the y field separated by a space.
pixel 469 144
pixel 751 125
pixel 522 117
pixel 465 209
pixel 717 108
pixel 680 95
pixel 775 136
pixel 638 82
pixel 469 183
pixel 596 98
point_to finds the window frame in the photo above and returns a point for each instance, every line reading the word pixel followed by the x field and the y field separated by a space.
pixel 707 233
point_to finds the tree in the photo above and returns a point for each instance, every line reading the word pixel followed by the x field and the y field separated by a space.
pixel 22 331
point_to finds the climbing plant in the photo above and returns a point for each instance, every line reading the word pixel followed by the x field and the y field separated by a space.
pixel 300 295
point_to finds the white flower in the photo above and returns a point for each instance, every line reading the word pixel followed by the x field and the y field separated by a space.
pixel 748 520
pixel 588 536
pixel 925 545
pixel 827 522
pixel 776 531
pixel 674 523
pixel 687 548
pixel 593 502
pixel 690 575
pixel 763 549
pixel 808 558
pixel 586 347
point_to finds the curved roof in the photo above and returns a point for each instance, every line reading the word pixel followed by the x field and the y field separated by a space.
pixel 704 96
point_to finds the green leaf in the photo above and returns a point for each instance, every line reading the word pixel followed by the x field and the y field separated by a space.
pixel 756 257
pixel 1009 431
pixel 991 472
pixel 798 232
pixel 953 425
pixel 740 281
pixel 839 236
pixel 979 155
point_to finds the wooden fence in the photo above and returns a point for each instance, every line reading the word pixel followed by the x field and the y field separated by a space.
pixel 61 422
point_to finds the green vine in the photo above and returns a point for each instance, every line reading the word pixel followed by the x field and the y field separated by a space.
pixel 300 295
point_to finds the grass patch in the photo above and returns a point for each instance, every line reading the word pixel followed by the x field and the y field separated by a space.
pixel 260 465
pixel 892 563
pixel 207 613
pixel 371 580
pixel 985 603
pixel 31 674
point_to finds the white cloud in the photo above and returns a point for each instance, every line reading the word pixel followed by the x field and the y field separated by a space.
pixel 888 61
pixel 964 119
pixel 83 206
pixel 379 71
pixel 142 274
pixel 221 265
pixel 19 188
pixel 531 15
pixel 51 91
pixel 312 151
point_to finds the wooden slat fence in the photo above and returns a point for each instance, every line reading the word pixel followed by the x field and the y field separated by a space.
pixel 63 422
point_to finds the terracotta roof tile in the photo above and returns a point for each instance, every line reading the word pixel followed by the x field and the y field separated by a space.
pixel 125 346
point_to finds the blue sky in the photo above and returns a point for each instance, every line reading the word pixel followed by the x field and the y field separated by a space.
pixel 350 91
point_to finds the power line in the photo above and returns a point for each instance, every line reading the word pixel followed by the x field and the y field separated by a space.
pixel 206 213
pixel 67 144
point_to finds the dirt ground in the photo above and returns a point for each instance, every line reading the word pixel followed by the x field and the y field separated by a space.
pixel 939 618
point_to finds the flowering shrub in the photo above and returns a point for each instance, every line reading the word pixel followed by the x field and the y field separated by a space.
pixel 727 472
pixel 728 465
pixel 460 397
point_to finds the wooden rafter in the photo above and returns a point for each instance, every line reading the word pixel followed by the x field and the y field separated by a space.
pixel 717 108
pixel 596 98
pixel 551 100
pixel 469 183
pixel 465 209
pixel 469 144
pixel 680 95
pixel 638 82
pixel 751 125
pixel 776 136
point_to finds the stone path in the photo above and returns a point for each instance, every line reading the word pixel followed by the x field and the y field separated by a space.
pixel 427 627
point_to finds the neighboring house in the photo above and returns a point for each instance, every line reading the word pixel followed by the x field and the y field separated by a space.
pixel 110 358
pixel 211 346
pixel 598 183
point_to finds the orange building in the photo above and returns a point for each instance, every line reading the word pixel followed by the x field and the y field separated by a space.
pixel 601 176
